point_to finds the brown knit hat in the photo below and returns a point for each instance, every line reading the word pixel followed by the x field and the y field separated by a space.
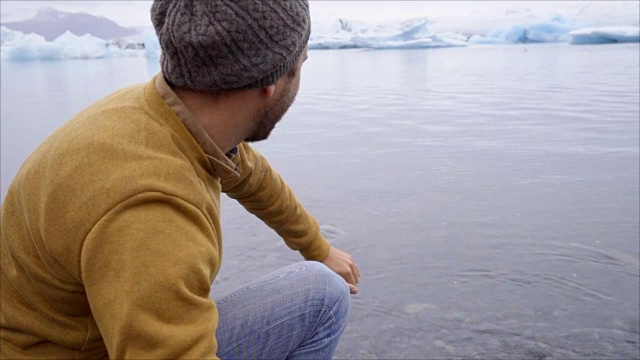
pixel 229 44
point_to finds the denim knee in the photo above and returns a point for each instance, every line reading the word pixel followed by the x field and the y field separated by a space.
pixel 336 291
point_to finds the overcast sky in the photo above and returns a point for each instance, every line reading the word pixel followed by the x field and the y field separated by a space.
pixel 136 13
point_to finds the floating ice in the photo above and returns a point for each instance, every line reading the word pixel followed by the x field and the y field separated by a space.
pixel 80 47
pixel 11 38
pixel 339 36
pixel 17 46
pixel 605 35
pixel 483 40
pixel 410 34
pixel 416 33
pixel 151 45
pixel 554 30
pixel 344 34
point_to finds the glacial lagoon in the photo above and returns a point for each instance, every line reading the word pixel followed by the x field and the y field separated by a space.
pixel 490 194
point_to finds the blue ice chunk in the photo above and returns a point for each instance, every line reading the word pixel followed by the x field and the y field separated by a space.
pixel 606 35
pixel 555 29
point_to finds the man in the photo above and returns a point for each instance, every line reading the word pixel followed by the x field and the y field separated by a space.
pixel 111 229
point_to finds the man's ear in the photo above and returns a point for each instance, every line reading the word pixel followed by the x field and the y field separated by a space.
pixel 268 91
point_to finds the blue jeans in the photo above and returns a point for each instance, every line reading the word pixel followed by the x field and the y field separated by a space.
pixel 297 312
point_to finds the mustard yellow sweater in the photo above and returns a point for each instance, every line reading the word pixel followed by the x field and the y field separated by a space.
pixel 110 233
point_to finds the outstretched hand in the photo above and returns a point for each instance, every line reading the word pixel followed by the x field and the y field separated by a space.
pixel 343 264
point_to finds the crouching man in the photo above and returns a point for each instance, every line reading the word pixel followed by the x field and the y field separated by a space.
pixel 111 232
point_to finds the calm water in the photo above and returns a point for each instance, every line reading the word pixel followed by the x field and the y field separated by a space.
pixel 489 194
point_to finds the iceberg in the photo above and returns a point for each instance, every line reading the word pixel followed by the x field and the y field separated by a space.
pixel 17 46
pixel 10 37
pixel 151 45
pixel 417 33
pixel 411 34
pixel 554 30
pixel 483 40
pixel 341 34
pixel 605 35
pixel 80 47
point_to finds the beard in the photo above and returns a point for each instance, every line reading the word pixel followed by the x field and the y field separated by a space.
pixel 270 116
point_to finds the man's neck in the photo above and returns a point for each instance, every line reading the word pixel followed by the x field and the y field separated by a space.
pixel 225 117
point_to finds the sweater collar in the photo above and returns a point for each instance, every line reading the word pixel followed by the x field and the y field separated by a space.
pixel 220 162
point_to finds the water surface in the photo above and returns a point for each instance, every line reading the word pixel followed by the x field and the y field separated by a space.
pixel 490 194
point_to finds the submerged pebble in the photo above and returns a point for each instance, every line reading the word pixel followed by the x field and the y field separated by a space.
pixel 418 308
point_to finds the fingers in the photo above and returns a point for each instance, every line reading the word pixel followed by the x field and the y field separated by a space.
pixel 343 264
pixel 352 271
pixel 356 271
pixel 350 275
pixel 353 289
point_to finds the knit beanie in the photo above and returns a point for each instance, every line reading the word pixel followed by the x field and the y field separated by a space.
pixel 229 44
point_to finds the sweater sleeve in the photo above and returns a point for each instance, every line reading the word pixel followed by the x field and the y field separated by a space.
pixel 261 191
pixel 147 267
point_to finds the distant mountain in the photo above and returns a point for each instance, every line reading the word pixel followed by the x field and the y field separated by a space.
pixel 51 23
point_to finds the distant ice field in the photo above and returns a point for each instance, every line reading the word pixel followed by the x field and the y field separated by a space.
pixel 343 34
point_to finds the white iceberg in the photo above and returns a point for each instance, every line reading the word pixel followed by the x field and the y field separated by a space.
pixel 483 40
pixel 16 46
pixel 409 34
pixel 343 34
pixel 10 37
pixel 151 45
pixel 338 36
pixel 554 30
pixel 81 47
pixel 605 35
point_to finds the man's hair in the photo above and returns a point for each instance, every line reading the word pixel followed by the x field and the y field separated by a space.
pixel 293 71
pixel 230 44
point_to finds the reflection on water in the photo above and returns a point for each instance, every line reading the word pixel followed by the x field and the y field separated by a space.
pixel 490 195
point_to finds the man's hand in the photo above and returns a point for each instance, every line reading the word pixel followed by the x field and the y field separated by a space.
pixel 343 264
